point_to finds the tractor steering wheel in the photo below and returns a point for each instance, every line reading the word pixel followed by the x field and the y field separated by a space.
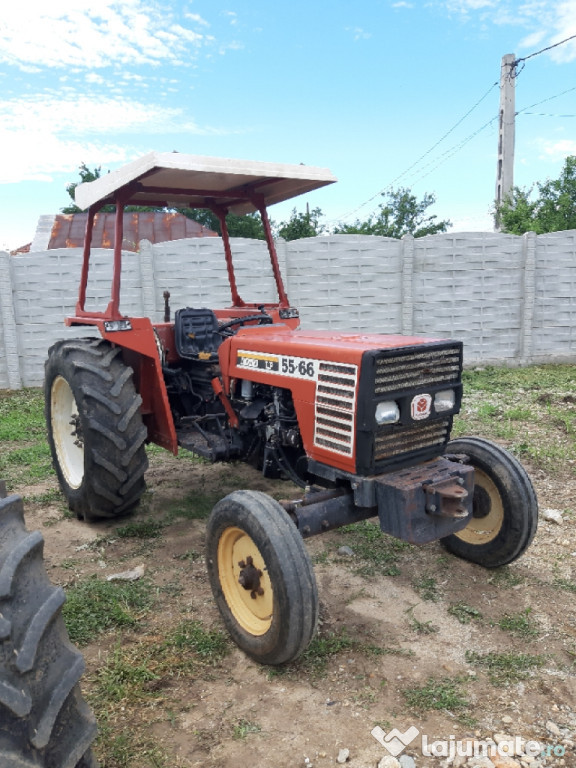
pixel 226 328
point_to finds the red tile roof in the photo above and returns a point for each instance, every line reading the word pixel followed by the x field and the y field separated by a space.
pixel 68 229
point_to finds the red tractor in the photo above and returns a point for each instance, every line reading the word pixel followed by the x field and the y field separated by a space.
pixel 360 421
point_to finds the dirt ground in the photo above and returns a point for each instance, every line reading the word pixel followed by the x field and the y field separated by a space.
pixel 237 714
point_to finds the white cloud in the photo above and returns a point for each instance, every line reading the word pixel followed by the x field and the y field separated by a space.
pixel 42 136
pixel 547 22
pixel 80 33
pixel 557 150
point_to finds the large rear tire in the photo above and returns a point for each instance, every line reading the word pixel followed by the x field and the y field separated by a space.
pixel 504 511
pixel 95 428
pixel 44 721
pixel 262 577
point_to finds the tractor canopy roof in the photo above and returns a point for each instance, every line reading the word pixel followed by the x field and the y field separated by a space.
pixel 174 180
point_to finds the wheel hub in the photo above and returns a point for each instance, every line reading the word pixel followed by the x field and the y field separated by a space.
pixel 250 577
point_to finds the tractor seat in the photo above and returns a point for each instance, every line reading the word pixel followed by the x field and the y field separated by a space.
pixel 196 334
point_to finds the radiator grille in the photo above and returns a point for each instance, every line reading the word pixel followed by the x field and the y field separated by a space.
pixel 335 407
pixel 420 368
pixel 389 442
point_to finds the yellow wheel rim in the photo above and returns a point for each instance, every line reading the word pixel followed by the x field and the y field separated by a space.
pixel 252 611
pixel 66 433
pixel 481 530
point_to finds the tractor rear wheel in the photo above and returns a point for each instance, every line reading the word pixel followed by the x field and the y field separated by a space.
pixel 504 510
pixel 95 428
pixel 44 721
pixel 262 577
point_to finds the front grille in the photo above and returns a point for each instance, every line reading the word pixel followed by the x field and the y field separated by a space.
pixel 420 368
pixel 335 407
pixel 391 442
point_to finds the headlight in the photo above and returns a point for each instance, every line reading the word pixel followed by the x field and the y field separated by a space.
pixel 387 412
pixel 445 400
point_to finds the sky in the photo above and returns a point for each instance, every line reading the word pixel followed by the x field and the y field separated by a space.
pixel 384 93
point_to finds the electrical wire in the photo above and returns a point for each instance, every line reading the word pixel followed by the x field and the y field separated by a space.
pixel 419 160
pixel 537 53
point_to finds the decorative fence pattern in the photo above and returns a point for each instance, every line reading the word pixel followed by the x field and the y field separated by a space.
pixel 512 300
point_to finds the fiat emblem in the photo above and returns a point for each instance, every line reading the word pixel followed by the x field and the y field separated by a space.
pixel 421 406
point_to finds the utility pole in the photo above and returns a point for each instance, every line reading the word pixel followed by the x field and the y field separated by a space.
pixel 505 168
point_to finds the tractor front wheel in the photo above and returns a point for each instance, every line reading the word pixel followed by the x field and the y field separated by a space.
pixel 261 577
pixel 504 509
pixel 95 428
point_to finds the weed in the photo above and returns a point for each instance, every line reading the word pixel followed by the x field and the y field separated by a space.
pixel 142 529
pixel 375 552
pixel 505 578
pixel 420 627
pixel 519 624
pixel 93 606
pixel 427 588
pixel 191 554
pixel 464 613
pixel 437 694
pixel 505 667
pixel 244 727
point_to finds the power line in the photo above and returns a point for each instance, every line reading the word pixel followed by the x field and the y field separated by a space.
pixel 419 160
pixel 550 98
pixel 537 53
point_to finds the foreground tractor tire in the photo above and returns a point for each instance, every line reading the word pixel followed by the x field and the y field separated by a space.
pixel 505 509
pixel 95 428
pixel 44 721
pixel 261 577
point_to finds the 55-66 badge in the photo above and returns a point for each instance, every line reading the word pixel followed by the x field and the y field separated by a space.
pixel 420 407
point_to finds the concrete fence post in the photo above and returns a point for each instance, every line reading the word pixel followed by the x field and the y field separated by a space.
pixel 282 253
pixel 529 244
pixel 147 279
pixel 9 322
pixel 407 284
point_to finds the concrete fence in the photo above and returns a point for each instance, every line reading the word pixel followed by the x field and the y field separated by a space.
pixel 512 300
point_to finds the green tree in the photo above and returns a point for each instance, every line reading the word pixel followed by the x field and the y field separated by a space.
pixel 401 214
pixel 553 210
pixel 249 225
pixel 85 175
pixel 301 225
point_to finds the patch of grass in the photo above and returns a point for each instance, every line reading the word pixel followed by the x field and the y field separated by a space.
pixel 464 613
pixel 50 496
pixel 533 378
pixel 93 606
pixel 191 554
pixel 505 578
pixel 141 529
pixel 506 667
pixel 375 552
pixel 437 694
pixel 125 676
pixel 197 506
pixel 519 624
pixel 314 661
pixel 244 727
pixel 427 588
pixel 518 413
pixel 566 584
pixel 210 645
pixel 22 415
pixel 25 465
